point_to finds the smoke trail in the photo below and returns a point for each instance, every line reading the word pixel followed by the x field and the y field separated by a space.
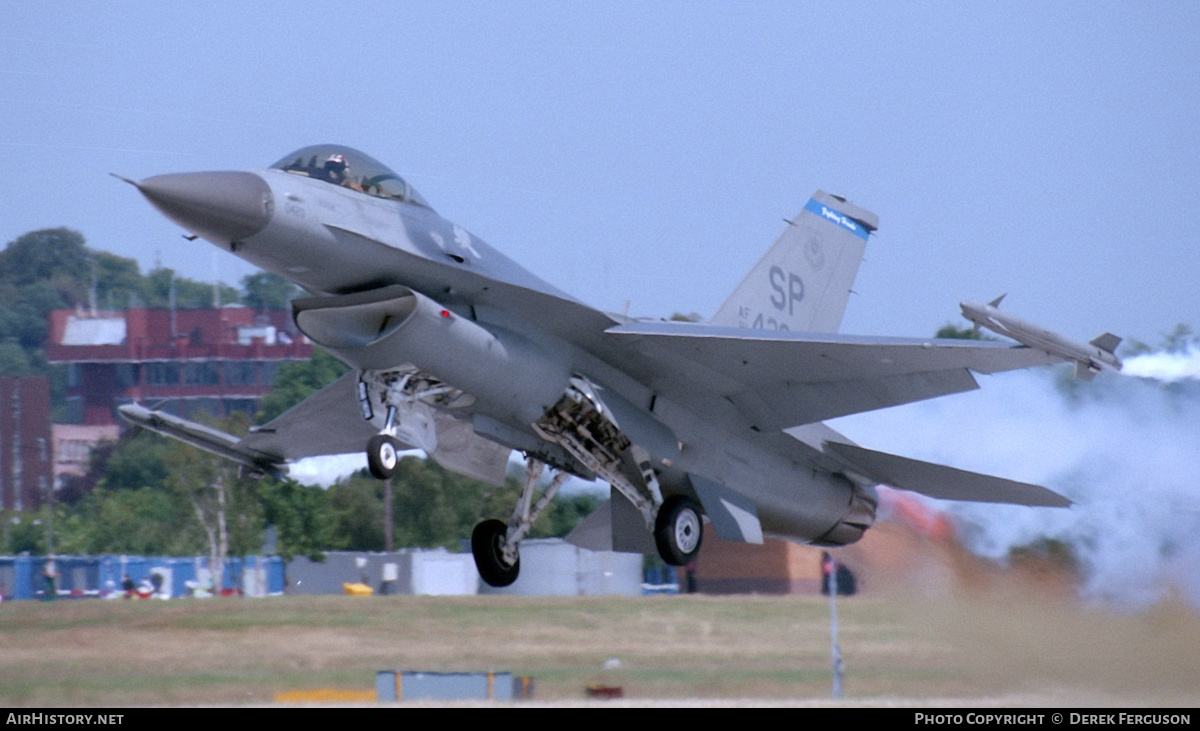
pixel 1125 449
pixel 1167 367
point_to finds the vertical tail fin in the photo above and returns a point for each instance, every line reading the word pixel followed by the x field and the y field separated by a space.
pixel 803 281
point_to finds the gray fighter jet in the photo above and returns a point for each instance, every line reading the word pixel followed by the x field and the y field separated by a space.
pixel 460 352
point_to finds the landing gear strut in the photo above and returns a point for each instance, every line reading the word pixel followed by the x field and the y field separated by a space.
pixel 494 543
pixel 407 398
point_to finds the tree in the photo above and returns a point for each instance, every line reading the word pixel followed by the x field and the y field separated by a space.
pixel 74 488
pixel 138 460
pixel 189 293
pixel 224 503
pixel 25 313
pixel 118 281
pixel 265 291
pixel 13 360
pixel 148 522
pixel 57 256
pixel 356 514
pixel 960 333
pixel 128 510
pixel 296 381
pixel 300 516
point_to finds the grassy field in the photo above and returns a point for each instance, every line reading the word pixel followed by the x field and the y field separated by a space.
pixel 989 649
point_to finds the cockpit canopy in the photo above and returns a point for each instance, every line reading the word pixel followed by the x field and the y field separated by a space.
pixel 350 168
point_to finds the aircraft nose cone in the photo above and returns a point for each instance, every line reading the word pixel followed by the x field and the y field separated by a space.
pixel 219 206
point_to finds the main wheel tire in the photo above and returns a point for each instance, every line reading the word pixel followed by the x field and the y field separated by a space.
pixel 487 546
pixel 678 530
pixel 381 456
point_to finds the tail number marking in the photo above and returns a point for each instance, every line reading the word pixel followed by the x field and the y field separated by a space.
pixel 788 290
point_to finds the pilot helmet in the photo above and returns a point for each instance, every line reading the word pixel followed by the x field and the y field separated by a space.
pixel 337 163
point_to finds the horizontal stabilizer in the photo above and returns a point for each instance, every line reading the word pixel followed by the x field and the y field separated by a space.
pixel 942 482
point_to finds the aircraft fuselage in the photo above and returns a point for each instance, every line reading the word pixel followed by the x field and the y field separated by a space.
pixel 338 241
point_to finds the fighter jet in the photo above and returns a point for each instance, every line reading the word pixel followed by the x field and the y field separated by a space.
pixel 458 351
pixel 1089 359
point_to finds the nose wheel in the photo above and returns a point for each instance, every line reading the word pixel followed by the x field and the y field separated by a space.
pixel 382 456
pixel 678 530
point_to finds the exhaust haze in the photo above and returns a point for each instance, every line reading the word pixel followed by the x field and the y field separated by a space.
pixel 1124 447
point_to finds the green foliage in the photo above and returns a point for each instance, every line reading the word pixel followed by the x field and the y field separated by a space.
pixel 150 491
pixel 25 314
pixel 23 532
pixel 150 522
pixel 355 514
pixel 13 360
pixel 265 291
pixel 72 488
pixel 56 256
pixel 949 331
pixel 189 294
pixel 118 281
pixel 296 381
pixel 432 506
pixel 138 460
pixel 53 269
pixel 298 514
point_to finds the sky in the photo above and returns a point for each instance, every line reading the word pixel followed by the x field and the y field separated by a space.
pixel 648 152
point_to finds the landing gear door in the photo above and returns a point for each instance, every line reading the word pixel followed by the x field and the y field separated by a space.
pixel 615 526
pixel 461 450
pixel 734 516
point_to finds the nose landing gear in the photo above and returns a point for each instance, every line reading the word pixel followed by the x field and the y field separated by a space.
pixel 382 456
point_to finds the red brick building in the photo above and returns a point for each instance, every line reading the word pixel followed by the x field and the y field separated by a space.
pixel 26 450
pixel 211 361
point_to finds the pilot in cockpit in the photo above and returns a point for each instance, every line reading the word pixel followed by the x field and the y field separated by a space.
pixel 337 171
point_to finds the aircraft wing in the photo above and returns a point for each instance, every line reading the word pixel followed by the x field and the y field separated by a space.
pixel 327 422
pixel 780 379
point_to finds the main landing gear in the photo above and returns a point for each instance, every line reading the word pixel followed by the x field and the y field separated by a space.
pixel 678 529
pixel 488 544
pixel 580 423
pixel 494 543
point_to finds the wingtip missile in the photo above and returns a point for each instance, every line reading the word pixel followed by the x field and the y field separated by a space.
pixel 1090 358
pixel 202 437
